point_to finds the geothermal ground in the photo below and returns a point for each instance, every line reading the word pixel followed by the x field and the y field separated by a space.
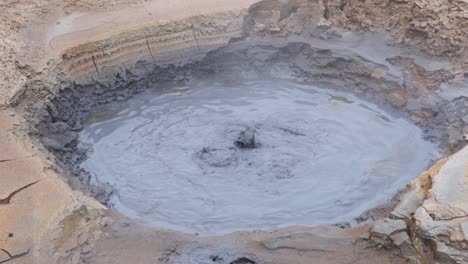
pixel 216 131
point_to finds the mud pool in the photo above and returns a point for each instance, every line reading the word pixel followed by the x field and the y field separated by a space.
pixel 219 157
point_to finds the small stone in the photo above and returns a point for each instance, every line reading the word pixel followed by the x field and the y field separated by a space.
pixel 399 238
pixel 409 202
pixel 450 254
pixel 246 139
pixel 51 143
pixel 59 141
pixel 397 99
pixel 383 229
pixel 379 71
pixel 59 127
pixel 275 30
pixel 388 226
pixel 259 27
pixel 403 242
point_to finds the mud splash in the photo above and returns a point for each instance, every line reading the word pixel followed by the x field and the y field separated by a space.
pixel 222 157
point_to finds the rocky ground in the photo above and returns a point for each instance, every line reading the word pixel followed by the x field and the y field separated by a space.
pixel 50 64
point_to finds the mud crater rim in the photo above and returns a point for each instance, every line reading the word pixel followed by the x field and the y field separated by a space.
pixel 66 148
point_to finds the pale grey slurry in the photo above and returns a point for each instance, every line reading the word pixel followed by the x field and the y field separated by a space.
pixel 217 157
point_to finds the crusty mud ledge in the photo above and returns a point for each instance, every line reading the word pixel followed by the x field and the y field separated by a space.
pixel 307 40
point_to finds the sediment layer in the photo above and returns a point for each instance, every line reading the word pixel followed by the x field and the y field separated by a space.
pixel 175 43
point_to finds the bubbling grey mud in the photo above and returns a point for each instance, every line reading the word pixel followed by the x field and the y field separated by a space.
pixel 219 157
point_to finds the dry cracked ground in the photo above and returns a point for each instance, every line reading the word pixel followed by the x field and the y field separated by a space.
pixel 60 58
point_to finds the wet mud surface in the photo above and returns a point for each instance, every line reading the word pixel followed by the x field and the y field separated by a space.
pixel 217 157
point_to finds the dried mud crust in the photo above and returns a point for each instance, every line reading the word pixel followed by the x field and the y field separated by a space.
pixel 52 101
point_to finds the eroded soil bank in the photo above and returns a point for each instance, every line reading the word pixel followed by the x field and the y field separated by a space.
pixel 304 41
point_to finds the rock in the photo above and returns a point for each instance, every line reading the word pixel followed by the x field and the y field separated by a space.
pixel 51 143
pixel 379 71
pixel 383 229
pixel 396 99
pixel 403 242
pixel 59 141
pixel 390 233
pixel 399 238
pixel 246 139
pixel 59 127
pixel 450 255
pixel 450 187
pixel 436 205
pixel 388 226
pixel 409 202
